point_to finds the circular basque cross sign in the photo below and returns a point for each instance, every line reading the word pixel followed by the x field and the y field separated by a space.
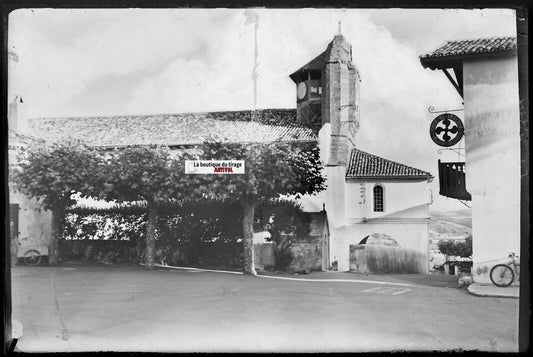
pixel 446 130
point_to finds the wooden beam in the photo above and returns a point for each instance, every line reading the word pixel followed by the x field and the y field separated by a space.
pixel 459 76
pixel 454 83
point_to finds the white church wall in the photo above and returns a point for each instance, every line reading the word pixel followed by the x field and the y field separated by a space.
pixel 409 235
pixel 332 197
pixel 399 195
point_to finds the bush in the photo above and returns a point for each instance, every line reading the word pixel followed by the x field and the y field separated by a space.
pixel 458 249
pixel 189 230
pixel 196 233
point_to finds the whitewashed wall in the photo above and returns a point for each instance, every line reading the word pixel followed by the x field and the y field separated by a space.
pixel 399 195
pixel 492 137
pixel 333 197
pixel 409 234
pixel 35 224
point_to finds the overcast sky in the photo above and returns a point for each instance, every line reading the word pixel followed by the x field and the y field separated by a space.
pixel 124 61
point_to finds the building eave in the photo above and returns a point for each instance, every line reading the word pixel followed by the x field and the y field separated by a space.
pixel 445 62
pixel 418 178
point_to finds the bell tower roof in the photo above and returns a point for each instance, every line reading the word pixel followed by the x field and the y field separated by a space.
pixel 338 50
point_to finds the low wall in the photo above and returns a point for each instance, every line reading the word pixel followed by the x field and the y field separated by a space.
pixel 77 248
pixel 264 256
pixel 386 260
pixel 306 256
pixel 223 254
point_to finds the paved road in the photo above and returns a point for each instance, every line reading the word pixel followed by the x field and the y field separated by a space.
pixel 99 308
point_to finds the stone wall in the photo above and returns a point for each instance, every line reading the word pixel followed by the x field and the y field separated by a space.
pixel 386 260
pixel 264 256
pixel 306 257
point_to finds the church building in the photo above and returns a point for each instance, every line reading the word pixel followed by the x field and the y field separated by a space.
pixel 365 194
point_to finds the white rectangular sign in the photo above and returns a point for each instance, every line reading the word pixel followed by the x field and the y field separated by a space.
pixel 214 166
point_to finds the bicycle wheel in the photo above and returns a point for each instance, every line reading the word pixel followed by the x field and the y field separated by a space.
pixel 501 275
pixel 32 257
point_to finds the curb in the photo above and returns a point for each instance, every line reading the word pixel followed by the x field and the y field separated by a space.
pixel 284 278
pixel 491 291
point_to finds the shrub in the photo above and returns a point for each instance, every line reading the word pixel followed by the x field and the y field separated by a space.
pixel 458 249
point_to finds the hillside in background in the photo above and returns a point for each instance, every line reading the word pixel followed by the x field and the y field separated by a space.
pixel 447 225
pixel 450 224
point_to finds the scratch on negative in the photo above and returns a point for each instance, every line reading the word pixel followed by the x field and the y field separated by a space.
pixel 64 332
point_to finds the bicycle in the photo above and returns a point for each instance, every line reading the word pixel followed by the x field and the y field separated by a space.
pixel 32 257
pixel 503 275
pixel 32 254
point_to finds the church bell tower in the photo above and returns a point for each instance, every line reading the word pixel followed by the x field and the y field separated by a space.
pixel 327 97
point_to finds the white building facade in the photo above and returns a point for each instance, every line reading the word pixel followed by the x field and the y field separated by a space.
pixel 365 193
pixel 487 79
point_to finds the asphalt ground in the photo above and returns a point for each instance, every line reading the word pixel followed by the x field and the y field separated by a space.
pixel 91 307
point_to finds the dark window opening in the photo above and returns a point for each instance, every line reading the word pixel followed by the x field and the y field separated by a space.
pixel 378 199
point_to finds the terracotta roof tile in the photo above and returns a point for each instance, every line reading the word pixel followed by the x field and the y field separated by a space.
pixel 474 47
pixel 175 129
pixel 17 140
pixel 365 165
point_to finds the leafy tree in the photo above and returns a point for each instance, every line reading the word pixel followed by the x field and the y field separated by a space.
pixel 52 174
pixel 271 170
pixel 286 222
pixel 146 174
pixel 458 249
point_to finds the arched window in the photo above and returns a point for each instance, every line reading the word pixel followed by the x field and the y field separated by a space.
pixel 379 203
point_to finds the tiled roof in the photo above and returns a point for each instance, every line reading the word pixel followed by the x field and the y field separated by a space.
pixel 365 165
pixel 175 129
pixel 17 140
pixel 474 47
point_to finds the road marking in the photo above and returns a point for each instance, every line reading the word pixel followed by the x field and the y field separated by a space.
pixel 196 270
pixel 335 280
pixel 401 292
pixel 386 291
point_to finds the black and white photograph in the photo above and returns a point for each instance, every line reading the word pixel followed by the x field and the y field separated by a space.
pixel 266 179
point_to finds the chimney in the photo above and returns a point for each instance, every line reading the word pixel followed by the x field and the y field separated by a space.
pixel 13 115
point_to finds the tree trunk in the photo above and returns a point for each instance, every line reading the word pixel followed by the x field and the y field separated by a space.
pixel 150 235
pixel 14 245
pixel 58 215
pixel 248 237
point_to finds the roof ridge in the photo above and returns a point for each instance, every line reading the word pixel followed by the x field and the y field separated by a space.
pixel 482 38
pixel 161 114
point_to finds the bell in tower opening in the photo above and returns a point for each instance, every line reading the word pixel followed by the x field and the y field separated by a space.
pixel 309 89
pixel 327 96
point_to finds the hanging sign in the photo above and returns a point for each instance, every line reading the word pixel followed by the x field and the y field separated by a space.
pixel 446 130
